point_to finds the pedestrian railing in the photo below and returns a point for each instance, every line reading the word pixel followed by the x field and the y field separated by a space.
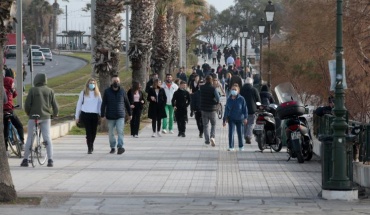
pixel 358 136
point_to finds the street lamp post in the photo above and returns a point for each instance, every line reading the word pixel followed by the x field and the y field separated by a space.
pixel 245 36
pixel 50 35
pixel 55 11
pixel 270 12
pixel 241 43
pixel 261 31
pixel 339 179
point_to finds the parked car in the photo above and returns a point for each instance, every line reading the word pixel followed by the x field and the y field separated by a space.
pixel 37 57
pixel 10 51
pixel 47 53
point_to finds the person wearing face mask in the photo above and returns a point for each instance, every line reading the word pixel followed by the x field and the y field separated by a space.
pixel 236 114
pixel 114 105
pixel 88 107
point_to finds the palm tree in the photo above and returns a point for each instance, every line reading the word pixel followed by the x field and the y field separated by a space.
pixel 41 11
pixel 108 26
pixel 7 15
pixel 161 40
pixel 141 27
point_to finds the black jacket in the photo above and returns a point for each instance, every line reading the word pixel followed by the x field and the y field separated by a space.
pixel 157 108
pixel 195 101
pixel 208 101
pixel 114 104
pixel 181 100
pixel 130 96
pixel 251 96
pixel 266 98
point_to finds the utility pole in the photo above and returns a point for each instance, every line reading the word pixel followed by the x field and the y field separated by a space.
pixel 19 54
pixel 127 36
pixel 92 34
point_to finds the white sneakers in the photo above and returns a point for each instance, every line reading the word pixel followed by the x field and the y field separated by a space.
pixel 213 143
pixel 164 131
pixel 159 134
pixel 153 135
pixel 171 131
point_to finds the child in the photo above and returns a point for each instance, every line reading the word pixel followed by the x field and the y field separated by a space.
pixel 180 102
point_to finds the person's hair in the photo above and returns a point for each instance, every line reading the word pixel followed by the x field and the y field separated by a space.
pixel 209 79
pixel 228 75
pixel 135 86
pixel 87 90
pixel 177 81
pixel 236 86
pixel 168 74
pixel 182 82
pixel 249 80
pixel 154 74
pixel 198 67
pixel 155 83
pixel 265 88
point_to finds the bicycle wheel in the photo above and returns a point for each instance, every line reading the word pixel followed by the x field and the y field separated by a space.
pixel 40 150
pixel 32 149
pixel 14 142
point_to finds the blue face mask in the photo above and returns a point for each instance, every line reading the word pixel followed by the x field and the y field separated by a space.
pixel 234 92
pixel 91 86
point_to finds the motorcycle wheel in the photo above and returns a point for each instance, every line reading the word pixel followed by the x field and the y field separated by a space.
pixel 301 155
pixel 261 140
pixel 307 154
pixel 278 145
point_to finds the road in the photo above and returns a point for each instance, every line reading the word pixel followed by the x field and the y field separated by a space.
pixel 60 65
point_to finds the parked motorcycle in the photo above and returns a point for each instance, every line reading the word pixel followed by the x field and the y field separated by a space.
pixel 297 130
pixel 265 128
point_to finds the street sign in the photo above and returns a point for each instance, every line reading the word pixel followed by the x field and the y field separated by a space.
pixel 336 78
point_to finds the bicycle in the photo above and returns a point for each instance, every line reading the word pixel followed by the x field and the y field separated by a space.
pixel 38 146
pixel 14 141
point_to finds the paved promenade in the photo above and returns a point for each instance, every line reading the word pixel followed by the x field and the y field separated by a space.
pixel 173 175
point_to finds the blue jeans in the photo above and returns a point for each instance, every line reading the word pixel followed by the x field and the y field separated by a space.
pixel 119 125
pixel 238 124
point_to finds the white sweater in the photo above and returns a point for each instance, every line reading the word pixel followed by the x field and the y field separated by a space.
pixel 91 104
pixel 169 91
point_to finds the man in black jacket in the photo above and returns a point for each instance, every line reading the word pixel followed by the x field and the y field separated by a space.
pixel 113 107
pixel 209 99
pixel 180 102
pixel 251 96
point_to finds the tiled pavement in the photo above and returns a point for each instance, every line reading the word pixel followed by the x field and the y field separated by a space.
pixel 172 175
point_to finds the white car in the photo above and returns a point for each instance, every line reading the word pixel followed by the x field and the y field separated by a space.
pixel 47 53
pixel 37 57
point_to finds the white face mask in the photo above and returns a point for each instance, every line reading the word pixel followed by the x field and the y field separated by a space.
pixel 234 92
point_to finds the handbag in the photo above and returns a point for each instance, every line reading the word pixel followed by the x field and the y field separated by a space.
pixel 80 123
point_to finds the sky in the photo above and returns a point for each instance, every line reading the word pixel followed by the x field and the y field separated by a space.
pixel 80 21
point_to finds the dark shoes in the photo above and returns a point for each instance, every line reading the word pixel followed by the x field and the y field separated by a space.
pixel 112 151
pixel 200 134
pixel 24 163
pixel 89 151
pixel 50 163
pixel 181 134
pixel 248 140
pixel 120 151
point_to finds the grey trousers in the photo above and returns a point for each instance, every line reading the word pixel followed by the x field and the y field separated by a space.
pixel 45 132
pixel 248 129
pixel 206 118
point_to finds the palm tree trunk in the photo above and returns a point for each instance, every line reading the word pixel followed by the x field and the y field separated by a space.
pixel 141 30
pixel 7 190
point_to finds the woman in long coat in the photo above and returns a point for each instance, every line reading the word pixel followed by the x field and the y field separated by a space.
pixel 157 101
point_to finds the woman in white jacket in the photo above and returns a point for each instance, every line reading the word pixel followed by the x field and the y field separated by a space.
pixel 88 111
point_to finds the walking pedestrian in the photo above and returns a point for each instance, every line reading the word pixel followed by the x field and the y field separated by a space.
pixel 236 114
pixel 169 88
pixel 251 96
pixel 180 102
pixel 136 99
pixel 181 75
pixel 114 105
pixel 149 84
pixel 214 56
pixel 209 99
pixel 157 101
pixel 219 54
pixel 88 110
pixel 41 101
pixel 195 107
